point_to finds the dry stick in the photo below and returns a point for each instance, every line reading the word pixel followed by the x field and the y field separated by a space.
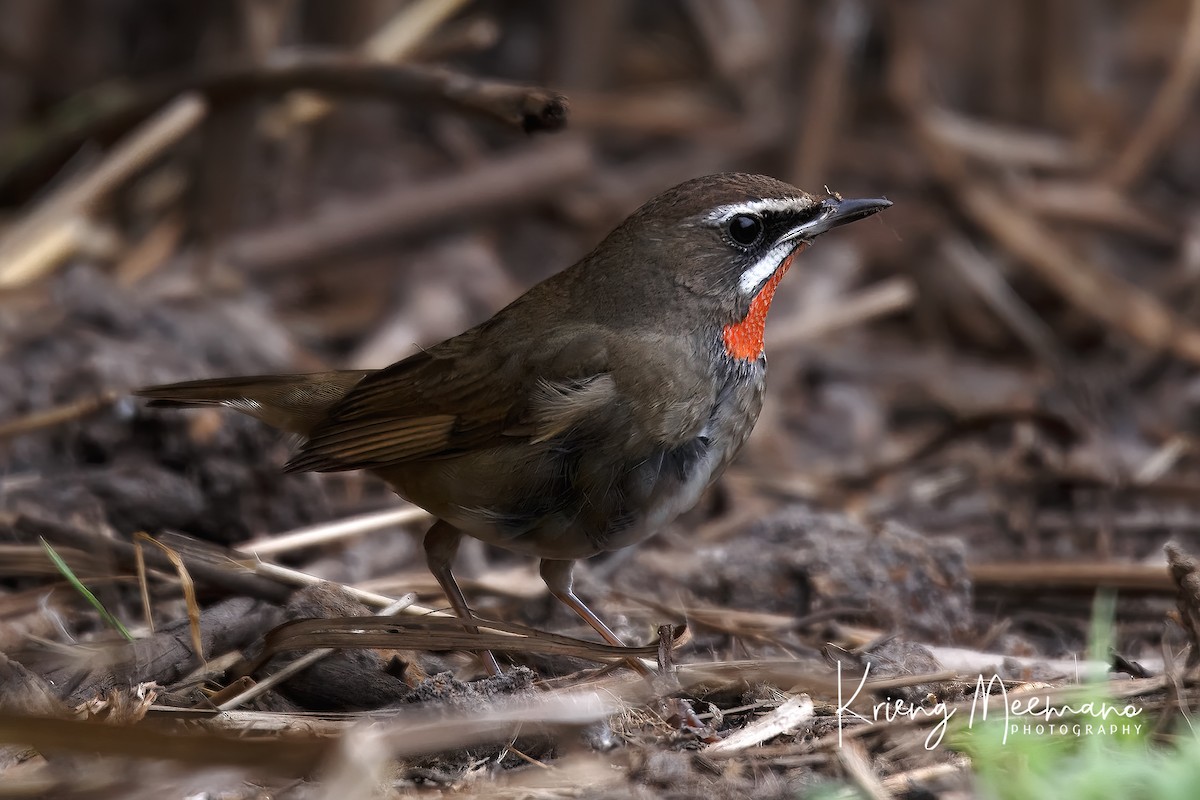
pixel 359 767
pixel 858 769
pixel 675 111
pixel 131 154
pixel 790 716
pixel 908 783
pixel 24 253
pixel 461 37
pixel 294 577
pixel 878 300
pixel 820 117
pixel 326 532
pixel 1065 64
pixel 1093 204
pixel 1074 576
pixel 52 417
pixel 297 578
pixel 412 25
pixel 614 192
pixel 395 42
pixel 784 672
pixel 1185 576
pixel 152 251
pixel 1131 522
pixel 245 722
pixel 43 248
pixel 585 38
pixel 431 633
pixel 297 754
pixel 983 276
pixel 410 734
pixel 733 36
pixel 530 108
pixel 303 662
pixel 498 185
pixel 975 663
pixel 185 582
pixel 1170 106
pixel 965 425
pixel 1004 144
pixel 269 581
pixel 1162 460
pixel 1108 298
pixel 904 681
pixel 518 582
pixel 280 577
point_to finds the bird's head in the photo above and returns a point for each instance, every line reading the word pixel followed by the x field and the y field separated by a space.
pixel 721 243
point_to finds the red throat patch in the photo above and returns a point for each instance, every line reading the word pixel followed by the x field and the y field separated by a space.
pixel 744 339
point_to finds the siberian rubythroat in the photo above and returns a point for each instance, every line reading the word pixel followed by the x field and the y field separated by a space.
pixel 589 412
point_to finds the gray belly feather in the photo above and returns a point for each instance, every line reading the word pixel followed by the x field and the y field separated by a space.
pixel 573 499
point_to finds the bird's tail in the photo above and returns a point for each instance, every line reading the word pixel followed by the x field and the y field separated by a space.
pixel 292 403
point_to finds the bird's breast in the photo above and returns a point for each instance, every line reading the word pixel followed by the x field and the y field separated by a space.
pixel 573 497
pixel 672 480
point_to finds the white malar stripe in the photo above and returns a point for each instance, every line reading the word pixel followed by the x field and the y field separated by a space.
pixel 777 204
pixel 765 267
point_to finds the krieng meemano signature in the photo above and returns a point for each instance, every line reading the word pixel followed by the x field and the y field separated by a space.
pixel 1098 717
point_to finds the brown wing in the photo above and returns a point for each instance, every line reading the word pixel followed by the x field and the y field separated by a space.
pixel 456 397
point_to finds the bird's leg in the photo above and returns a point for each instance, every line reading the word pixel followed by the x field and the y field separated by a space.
pixel 441 543
pixel 557 575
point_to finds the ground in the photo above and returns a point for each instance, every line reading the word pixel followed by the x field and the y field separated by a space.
pixel 974 483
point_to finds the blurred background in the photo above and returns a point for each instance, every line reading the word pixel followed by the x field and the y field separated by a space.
pixel 1004 361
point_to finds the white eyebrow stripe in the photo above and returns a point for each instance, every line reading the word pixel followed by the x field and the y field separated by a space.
pixel 759 206
pixel 765 267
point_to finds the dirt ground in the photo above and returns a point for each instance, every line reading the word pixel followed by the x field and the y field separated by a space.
pixel 977 459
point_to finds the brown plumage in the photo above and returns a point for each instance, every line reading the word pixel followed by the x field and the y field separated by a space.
pixel 589 412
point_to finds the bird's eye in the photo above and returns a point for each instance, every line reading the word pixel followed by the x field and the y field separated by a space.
pixel 746 229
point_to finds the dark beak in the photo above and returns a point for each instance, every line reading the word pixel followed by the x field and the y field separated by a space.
pixel 834 212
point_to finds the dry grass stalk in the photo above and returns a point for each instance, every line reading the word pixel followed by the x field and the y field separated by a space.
pixel 185 583
pixel 502 183
pixel 335 531
pixel 436 633
pixel 1171 104
pixel 59 415
pixel 24 252
pixel 1074 576
pixel 858 768
pixel 890 296
pixel 293 577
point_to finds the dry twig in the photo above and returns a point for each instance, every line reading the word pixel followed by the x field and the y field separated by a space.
pixel 497 186
pixel 1167 111
pixel 51 233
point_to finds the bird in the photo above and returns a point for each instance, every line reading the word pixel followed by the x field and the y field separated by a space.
pixel 588 413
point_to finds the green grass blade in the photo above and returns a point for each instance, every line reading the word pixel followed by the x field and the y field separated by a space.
pixel 69 574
